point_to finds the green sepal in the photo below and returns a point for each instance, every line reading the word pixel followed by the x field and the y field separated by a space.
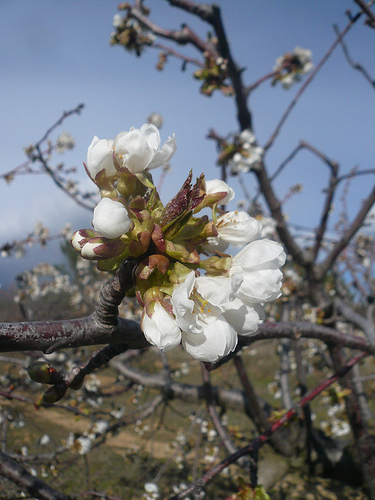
pixel 113 263
pixel 146 179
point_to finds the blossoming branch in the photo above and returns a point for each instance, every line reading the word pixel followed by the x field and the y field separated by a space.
pixel 192 293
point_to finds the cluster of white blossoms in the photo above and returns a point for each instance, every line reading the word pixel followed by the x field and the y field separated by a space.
pixel 191 292
pixel 291 66
pixel 249 154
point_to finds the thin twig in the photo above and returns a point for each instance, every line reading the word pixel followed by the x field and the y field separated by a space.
pixel 354 65
pixel 308 81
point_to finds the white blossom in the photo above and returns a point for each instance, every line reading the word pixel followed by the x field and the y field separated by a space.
pixel 100 157
pixel 292 65
pixel 111 218
pixel 249 154
pixel 160 328
pixel 152 491
pixel 245 161
pixel 259 265
pixel 238 228
pixel 117 21
pixel 64 142
pixel 84 445
pixel 44 440
pixel 139 149
pixel 100 427
pixel 206 334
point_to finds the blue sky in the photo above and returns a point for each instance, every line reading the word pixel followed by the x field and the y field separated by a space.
pixel 55 55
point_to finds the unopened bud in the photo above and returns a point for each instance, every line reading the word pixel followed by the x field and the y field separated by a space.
pixel 43 373
pixel 54 394
pixel 102 248
pixel 127 184
pixel 81 237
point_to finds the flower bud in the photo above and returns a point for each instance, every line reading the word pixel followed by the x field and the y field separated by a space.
pixel 127 185
pixel 111 218
pixel 81 237
pixel 54 394
pixel 102 248
pixel 42 372
pixel 216 186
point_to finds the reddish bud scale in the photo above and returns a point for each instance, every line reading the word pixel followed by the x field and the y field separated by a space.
pixel 158 238
pixel 147 266
pixel 140 247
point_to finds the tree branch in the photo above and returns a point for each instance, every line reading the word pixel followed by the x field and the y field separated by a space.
pixel 13 471
pixel 308 81
pixel 258 442
pixel 354 65
pixel 322 268
pixel 102 327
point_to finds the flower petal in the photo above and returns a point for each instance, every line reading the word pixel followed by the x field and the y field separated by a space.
pixel 152 135
pixel 217 186
pixel 163 156
pixel 180 297
pixel 99 157
pixel 260 254
pixel 244 319
pixel 218 339
pixel 133 150
pixel 260 286
pixel 161 328
pixel 217 290
pixel 238 228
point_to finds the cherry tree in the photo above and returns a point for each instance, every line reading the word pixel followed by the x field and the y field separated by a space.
pixel 211 280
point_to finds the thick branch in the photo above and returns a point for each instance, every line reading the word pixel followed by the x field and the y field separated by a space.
pixel 49 336
pixel 102 327
pixel 211 14
pixel 366 9
pixel 204 11
pixel 243 113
